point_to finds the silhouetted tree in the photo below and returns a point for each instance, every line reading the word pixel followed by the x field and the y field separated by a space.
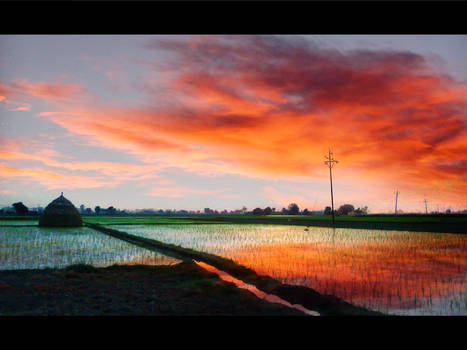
pixel 20 208
pixel 327 211
pixel 361 211
pixel 267 211
pixel 293 209
pixel 111 210
pixel 284 211
pixel 345 209
pixel 97 209
pixel 306 212
pixel 257 211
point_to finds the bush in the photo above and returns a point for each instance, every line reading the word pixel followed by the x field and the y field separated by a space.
pixel 345 209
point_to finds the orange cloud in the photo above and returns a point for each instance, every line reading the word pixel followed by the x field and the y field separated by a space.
pixel 108 173
pixel 55 180
pixel 13 95
pixel 270 107
pixel 43 89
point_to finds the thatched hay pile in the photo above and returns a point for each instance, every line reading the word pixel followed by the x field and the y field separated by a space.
pixel 60 213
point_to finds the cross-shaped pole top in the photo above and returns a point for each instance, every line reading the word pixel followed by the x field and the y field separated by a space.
pixel 330 161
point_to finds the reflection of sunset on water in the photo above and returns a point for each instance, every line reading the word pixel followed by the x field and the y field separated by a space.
pixel 390 271
pixel 398 276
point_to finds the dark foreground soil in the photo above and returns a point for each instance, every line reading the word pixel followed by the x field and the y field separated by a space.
pixel 80 290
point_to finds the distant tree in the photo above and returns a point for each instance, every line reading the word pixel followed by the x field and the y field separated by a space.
pixel 345 209
pixel 267 211
pixel 284 211
pixel 327 211
pixel 293 209
pixel 360 211
pixel 20 208
pixel 306 212
pixel 448 211
pixel 244 209
pixel 257 211
pixel 97 209
pixel 111 210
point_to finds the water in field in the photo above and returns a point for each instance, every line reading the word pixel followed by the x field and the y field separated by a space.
pixel 34 247
pixel 401 273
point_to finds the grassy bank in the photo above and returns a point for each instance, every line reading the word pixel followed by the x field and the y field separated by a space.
pixel 441 223
pixel 444 223
pixel 434 223
pixel 182 289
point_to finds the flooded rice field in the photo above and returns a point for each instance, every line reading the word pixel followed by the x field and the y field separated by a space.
pixel 37 248
pixel 395 272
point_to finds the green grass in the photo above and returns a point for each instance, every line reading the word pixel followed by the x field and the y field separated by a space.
pixel 108 220
pixel 453 218
pixel 416 218
pixel 13 218
pixel 444 223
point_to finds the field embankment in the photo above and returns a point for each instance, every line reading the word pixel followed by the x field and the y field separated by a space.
pixel 437 223
pixel 82 290
pixel 307 297
pixel 415 223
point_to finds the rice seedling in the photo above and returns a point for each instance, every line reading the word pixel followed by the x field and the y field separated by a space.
pixel 396 272
pixel 34 247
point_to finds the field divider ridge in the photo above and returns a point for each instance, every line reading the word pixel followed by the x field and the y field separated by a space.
pixel 307 297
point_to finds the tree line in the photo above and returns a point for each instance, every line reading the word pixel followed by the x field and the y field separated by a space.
pixel 294 209
pixel 20 209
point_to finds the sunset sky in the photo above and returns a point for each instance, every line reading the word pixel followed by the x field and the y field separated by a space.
pixel 188 122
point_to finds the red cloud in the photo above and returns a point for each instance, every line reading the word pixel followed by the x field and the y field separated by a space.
pixel 270 106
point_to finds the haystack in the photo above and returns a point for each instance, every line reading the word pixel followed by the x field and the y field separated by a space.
pixel 60 213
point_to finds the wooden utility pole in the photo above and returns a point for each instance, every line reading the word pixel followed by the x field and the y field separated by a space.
pixel 330 163
pixel 397 194
pixel 426 208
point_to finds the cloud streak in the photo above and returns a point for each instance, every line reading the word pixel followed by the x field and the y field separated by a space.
pixel 269 107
